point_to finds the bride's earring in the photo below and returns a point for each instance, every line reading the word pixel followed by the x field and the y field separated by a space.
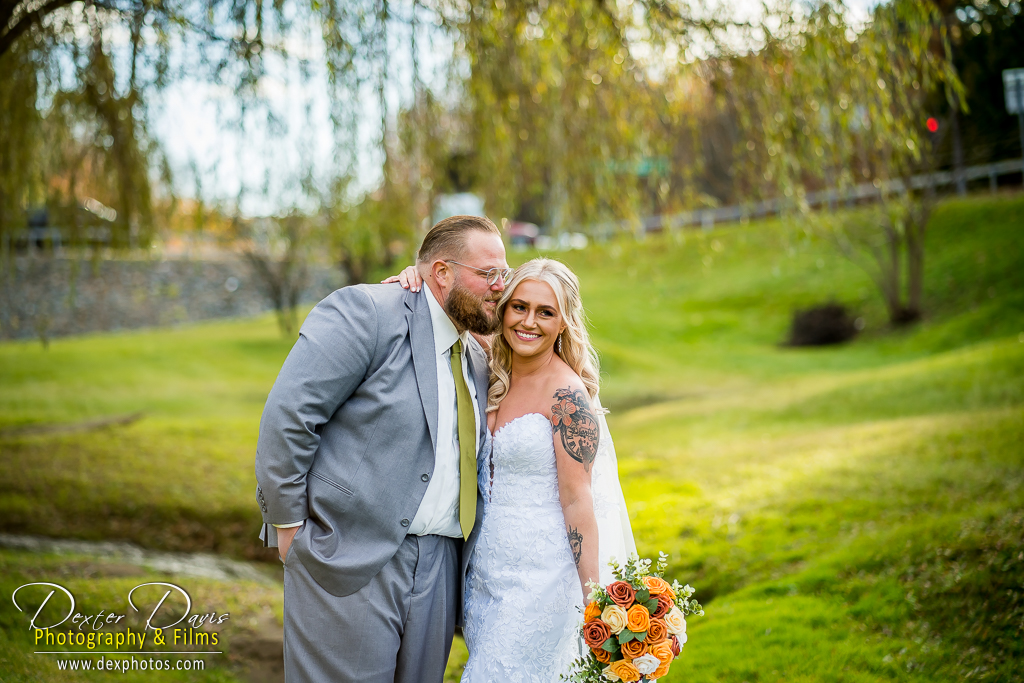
pixel 559 345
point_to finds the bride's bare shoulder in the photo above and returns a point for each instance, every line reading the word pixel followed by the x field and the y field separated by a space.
pixel 564 382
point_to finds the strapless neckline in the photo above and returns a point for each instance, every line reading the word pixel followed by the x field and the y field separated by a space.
pixel 494 435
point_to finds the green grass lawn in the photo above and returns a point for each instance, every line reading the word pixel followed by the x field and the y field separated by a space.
pixel 853 513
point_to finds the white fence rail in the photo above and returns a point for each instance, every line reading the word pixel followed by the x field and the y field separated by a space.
pixel 707 218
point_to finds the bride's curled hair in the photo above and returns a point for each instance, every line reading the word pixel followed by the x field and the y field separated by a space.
pixel 576 350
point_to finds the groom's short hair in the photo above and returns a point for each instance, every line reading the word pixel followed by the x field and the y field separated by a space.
pixel 447 239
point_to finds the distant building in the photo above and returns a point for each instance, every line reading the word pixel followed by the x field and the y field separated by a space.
pixel 458 204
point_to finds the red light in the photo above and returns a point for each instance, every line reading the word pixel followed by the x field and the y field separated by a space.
pixel 933 125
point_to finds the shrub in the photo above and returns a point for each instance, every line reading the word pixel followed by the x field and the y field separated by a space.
pixel 821 325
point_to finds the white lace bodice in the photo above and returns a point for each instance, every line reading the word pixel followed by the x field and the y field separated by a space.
pixel 523 595
pixel 523 462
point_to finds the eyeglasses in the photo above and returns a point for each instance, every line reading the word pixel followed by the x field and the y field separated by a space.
pixel 491 275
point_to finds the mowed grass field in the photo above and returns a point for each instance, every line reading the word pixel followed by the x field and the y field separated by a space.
pixel 853 513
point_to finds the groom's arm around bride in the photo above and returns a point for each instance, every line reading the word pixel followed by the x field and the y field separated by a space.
pixel 359 457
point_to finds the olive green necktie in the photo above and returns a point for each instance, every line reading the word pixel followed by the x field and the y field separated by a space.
pixel 467 444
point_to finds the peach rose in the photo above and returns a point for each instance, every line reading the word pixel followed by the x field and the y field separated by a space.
pixel 638 618
pixel 661 670
pixel 634 649
pixel 662 650
pixel 595 633
pixel 608 675
pixel 592 612
pixel 675 621
pixel 602 655
pixel 657 631
pixel 664 605
pixel 676 647
pixel 621 593
pixel 615 617
pixel 656 585
pixel 625 670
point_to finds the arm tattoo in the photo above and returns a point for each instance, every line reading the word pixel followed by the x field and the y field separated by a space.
pixel 577 426
pixel 576 545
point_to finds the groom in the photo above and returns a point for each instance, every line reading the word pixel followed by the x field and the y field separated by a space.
pixel 367 463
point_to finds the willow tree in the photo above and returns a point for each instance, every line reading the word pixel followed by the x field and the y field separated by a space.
pixel 555 112
pixel 570 105
pixel 836 113
pixel 77 105
pixel 556 104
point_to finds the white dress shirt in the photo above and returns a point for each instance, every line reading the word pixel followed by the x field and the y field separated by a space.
pixel 439 510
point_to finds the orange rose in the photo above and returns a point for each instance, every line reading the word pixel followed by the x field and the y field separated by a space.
pixel 676 647
pixel 663 651
pixel 661 670
pixel 595 633
pixel 634 649
pixel 592 612
pixel 625 670
pixel 657 631
pixel 621 593
pixel 664 605
pixel 638 618
pixel 656 585
pixel 601 655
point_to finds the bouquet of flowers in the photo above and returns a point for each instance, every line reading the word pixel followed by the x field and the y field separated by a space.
pixel 634 626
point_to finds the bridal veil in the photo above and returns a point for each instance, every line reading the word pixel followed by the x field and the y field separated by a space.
pixel 615 534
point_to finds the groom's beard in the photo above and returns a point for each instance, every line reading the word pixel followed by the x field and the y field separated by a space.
pixel 468 312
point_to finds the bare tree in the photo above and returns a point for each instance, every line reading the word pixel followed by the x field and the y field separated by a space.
pixel 277 249
pixel 834 107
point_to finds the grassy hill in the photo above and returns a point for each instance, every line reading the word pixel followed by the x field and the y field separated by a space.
pixel 853 513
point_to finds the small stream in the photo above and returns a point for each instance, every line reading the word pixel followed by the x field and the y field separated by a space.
pixel 203 565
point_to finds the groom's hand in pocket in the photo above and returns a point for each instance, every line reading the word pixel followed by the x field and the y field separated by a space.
pixel 284 540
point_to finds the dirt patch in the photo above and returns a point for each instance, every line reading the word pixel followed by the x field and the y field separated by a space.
pixel 259 653
pixel 126 555
pixel 73 427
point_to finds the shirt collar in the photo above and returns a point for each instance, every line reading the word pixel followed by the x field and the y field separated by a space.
pixel 445 333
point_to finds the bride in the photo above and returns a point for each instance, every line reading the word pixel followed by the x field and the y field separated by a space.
pixel 553 509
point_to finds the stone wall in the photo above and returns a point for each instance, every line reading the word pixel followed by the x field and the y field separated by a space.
pixel 57 296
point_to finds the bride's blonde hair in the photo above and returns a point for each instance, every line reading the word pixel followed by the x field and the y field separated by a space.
pixel 575 348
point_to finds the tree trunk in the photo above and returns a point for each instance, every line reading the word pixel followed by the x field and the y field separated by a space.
pixel 958 151
pixel 915 274
pixel 917 225
pixel 355 269
pixel 891 270
pixel 282 283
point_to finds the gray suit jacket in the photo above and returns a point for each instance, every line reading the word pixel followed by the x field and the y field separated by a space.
pixel 348 433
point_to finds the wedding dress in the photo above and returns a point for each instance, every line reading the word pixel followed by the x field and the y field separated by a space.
pixel 523 595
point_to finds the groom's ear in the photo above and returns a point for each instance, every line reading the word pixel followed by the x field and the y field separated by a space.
pixel 442 273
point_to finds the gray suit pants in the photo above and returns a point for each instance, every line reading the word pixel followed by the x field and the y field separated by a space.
pixel 398 628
